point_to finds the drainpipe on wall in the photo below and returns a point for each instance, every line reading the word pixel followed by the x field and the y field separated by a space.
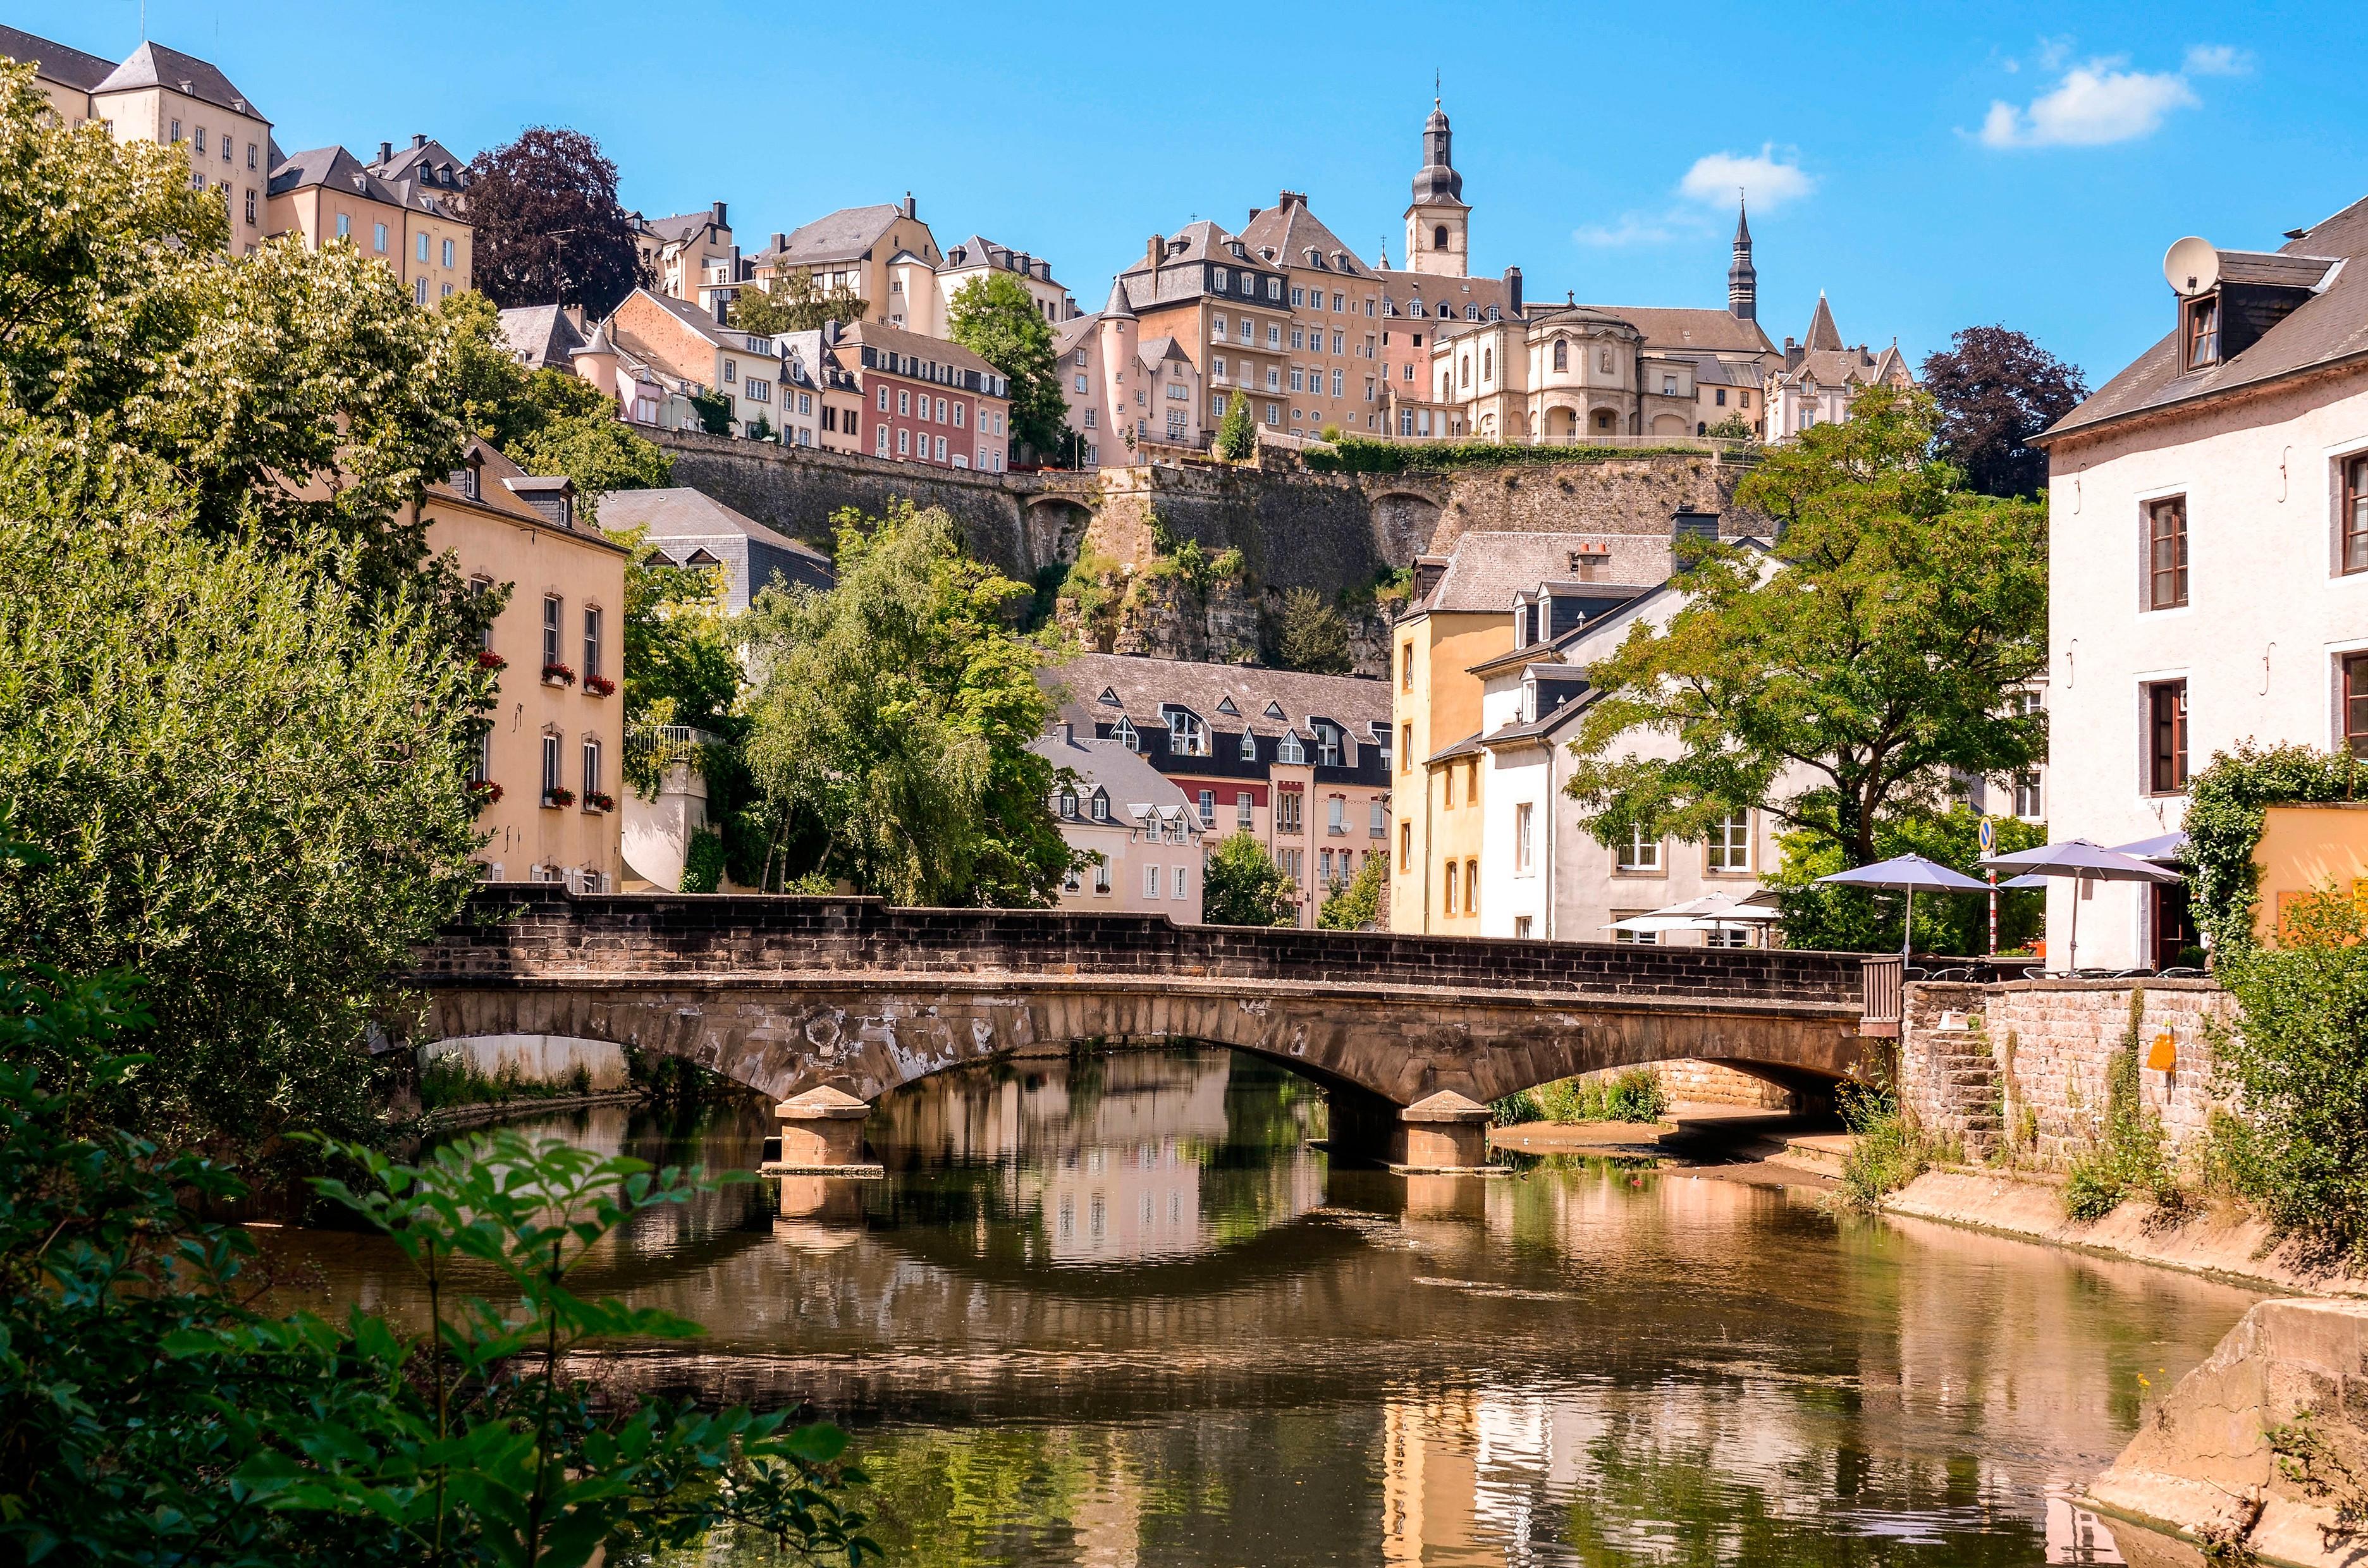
pixel 1553 794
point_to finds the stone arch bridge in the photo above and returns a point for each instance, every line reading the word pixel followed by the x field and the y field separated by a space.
pixel 827 1002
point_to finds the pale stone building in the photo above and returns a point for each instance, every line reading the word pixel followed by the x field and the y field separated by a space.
pixel 1821 376
pixel 328 196
pixel 1129 397
pixel 867 251
pixel 1334 378
pixel 1146 840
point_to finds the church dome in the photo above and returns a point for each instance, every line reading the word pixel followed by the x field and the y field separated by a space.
pixel 1437 180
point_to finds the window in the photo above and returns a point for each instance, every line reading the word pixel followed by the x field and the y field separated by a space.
pixel 1069 803
pixel 1249 746
pixel 1488 363
pixel 941 411
pixel 591 641
pixel 1719 397
pixel 1637 938
pixel 1151 882
pixel 1291 753
pixel 553 608
pixel 1091 422
pixel 250 204
pixel 1561 354
pixel 1449 903
pixel 2027 803
pixel 345 225
pixel 1335 818
pixel 2355 703
pixel 377 238
pixel 2204 332
pixel 1243 803
pixel 883 400
pixel 250 155
pixel 448 253
pixel 880 431
pixel 419 291
pixel 1447 785
pixel 1102 877
pixel 1521 928
pixel 1102 808
pixel 591 770
pixel 2165 714
pixel 1124 733
pixel 1471 887
pixel 904 443
pixel 2166 553
pixel 1524 846
pixel 1179 881
pixel 1288 806
pixel 1730 843
pixel 1208 808
pixel 1640 853
pixel 904 401
pixel 1274 289
pixel 550 764
pixel 1069 883
pixel 198 139
pixel 1186 736
pixel 481 759
pixel 420 250
pixel 1405 843
pixel 1438 239
pixel 2354 521
pixel 1218 280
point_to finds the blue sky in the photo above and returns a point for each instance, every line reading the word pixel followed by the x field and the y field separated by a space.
pixel 1927 166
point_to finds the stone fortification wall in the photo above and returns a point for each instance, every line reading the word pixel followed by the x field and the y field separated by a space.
pixel 1619 495
pixel 2026 1061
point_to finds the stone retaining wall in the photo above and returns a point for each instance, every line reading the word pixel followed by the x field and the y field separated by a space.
pixel 2027 1061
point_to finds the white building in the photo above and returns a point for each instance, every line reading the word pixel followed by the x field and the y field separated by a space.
pixel 1145 835
pixel 2208 557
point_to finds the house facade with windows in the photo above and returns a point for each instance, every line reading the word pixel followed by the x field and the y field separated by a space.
pixel 1148 845
pixel 1821 376
pixel 928 401
pixel 550 766
pixel 1299 762
pixel 1227 308
pixel 2208 556
pixel 666 340
pixel 1335 335
pixel 328 196
pixel 854 250
pixel 1128 396
pixel 690 256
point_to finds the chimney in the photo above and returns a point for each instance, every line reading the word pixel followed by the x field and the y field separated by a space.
pixel 419 139
pixel 910 209
pixel 716 216
pixel 1513 291
pixel 1253 217
pixel 1151 248
pixel 385 153
pixel 780 240
pixel 575 314
pixel 1068 734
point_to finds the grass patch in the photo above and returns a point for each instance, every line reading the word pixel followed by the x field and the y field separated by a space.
pixel 1631 1095
pixel 1887 1149
pixel 452 1080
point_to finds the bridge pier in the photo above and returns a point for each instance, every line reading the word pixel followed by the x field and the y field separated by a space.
pixel 1443 1133
pixel 822 1134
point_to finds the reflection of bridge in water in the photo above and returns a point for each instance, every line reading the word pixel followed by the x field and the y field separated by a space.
pixel 839 1000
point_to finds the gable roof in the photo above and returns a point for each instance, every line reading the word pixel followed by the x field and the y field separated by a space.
pixel 843 236
pixel 1678 327
pixel 1071 334
pixel 1290 229
pixel 1487 570
pixel 2331 328
pixel 1134 785
pixel 330 166
pixel 541 334
pixel 1141 685
pixel 1400 289
pixel 1823 333
pixel 681 226
pixel 154 65
pixel 55 61
pixel 920 345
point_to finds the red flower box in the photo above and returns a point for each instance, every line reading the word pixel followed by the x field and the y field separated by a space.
pixel 598 685
pixel 484 790
pixel 558 675
pixel 598 801
pixel 489 659
pixel 557 797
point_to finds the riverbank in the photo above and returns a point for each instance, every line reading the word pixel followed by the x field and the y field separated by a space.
pixel 454 1119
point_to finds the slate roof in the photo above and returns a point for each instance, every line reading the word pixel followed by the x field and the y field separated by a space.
pixel 1835 367
pixel 1823 333
pixel 755 556
pixel 1135 788
pixel 1290 229
pixel 843 236
pixel 1400 289
pixel 920 345
pixel 1678 327
pixel 2331 328
pixel 541 334
pixel 154 65
pixel 1141 685
pixel 1068 334
pixel 53 60
pixel 682 225
pixel 1487 570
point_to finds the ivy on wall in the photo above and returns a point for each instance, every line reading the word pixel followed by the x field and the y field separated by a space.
pixel 2226 806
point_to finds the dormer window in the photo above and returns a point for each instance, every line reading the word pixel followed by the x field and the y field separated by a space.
pixel 1068 804
pixel 1291 753
pixel 1274 711
pixel 1249 746
pixel 1186 736
pixel 1124 733
pixel 1102 807
pixel 2204 332
pixel 1109 695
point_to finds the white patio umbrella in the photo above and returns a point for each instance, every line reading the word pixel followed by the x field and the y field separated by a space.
pixel 2083 862
pixel 1909 874
pixel 2162 847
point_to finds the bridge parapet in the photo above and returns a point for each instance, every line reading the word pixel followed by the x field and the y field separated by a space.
pixel 518 933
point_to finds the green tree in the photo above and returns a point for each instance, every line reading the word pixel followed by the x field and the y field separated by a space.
pixel 1735 427
pixel 996 318
pixel 1356 904
pixel 154 1415
pixel 1847 919
pixel 241 784
pixel 1874 649
pixel 682 658
pixel 795 303
pixel 1314 635
pixel 1237 432
pixel 1243 886
pixel 892 720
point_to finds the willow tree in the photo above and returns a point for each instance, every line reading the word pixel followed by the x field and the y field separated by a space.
pixel 1871 652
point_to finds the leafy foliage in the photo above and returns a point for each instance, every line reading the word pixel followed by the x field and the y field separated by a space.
pixel 892 721
pixel 2296 1069
pixel 1236 439
pixel 156 1416
pixel 1356 904
pixel 1876 648
pixel 1314 636
pixel 1633 1093
pixel 996 318
pixel 243 785
pixel 1862 920
pixel 1887 1151
pixel 2128 1156
pixel 2226 805
pixel 1996 390
pixel 549 228
pixel 1241 885
pixel 682 660
pixel 794 303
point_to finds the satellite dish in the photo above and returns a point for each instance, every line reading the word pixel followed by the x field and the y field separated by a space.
pixel 2192 267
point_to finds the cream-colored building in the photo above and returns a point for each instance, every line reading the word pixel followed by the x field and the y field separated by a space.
pixel 1227 308
pixel 690 256
pixel 1820 377
pixel 1574 373
pixel 1129 396
pixel 1334 380
pixel 550 766
pixel 871 252
pixel 328 196
pixel 978 257
pixel 1143 836
pixel 163 95
pixel 690 349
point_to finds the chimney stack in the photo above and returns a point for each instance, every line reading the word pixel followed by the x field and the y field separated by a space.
pixel 715 215
pixel 911 210
pixel 780 240
pixel 1513 291
pixel 385 154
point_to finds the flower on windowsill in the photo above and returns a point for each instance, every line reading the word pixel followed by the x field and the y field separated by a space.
pixel 598 685
pixel 559 797
pixel 599 801
pixel 484 791
pixel 489 659
pixel 558 675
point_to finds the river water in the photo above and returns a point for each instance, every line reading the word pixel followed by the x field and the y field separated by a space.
pixel 1115 1311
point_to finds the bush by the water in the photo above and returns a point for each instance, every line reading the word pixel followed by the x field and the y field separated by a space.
pixel 1887 1151
pixel 2129 1157
pixel 1631 1095
pixel 452 1080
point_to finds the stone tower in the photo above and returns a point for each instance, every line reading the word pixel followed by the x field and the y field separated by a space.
pixel 1438 223
pixel 1118 334
pixel 1742 280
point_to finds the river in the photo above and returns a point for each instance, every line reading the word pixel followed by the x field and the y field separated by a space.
pixel 1115 1311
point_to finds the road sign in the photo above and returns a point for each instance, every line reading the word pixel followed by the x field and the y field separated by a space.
pixel 1989 836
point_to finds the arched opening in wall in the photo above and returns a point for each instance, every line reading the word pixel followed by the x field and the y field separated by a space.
pixel 1053 527
pixel 1604 423
pixel 1439 237
pixel 1405 523
pixel 1668 425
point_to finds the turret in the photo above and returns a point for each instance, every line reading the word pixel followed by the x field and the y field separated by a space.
pixel 1742 279
pixel 1438 223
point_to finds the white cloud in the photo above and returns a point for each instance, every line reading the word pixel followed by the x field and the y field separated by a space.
pixel 2094 106
pixel 2053 53
pixel 2218 60
pixel 1632 229
pixel 1767 180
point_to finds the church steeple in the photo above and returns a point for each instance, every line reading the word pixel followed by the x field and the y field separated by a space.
pixel 1438 223
pixel 1742 278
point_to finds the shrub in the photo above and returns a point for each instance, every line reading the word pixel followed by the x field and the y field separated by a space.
pixel 2226 802
pixel 1887 1150
pixel 1634 1094
pixel 2129 1157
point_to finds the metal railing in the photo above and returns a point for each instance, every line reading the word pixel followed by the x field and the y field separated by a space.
pixel 660 746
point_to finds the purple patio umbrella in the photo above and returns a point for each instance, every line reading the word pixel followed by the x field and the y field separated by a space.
pixel 1909 874
pixel 2084 862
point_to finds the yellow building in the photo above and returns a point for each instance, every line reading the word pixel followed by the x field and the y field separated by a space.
pixel 327 196
pixel 551 765
pixel 163 95
pixel 1460 618
pixel 870 252
pixel 1335 377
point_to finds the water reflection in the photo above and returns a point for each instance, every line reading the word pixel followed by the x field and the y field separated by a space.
pixel 1115 1311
